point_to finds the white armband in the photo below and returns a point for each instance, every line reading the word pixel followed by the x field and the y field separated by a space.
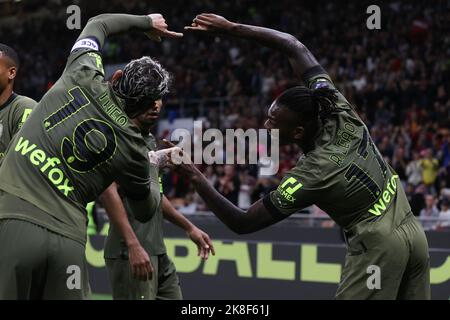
pixel 85 44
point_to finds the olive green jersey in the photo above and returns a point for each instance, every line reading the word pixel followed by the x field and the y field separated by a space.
pixel 344 175
pixel 149 234
pixel 76 143
pixel 13 113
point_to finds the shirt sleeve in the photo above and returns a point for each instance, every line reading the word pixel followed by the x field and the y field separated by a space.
pixel 316 77
pixel 292 195
pixel 22 111
pixel 85 58
pixel 135 180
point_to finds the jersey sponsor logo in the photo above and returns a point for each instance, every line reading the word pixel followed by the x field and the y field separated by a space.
pixel 85 44
pixel 386 197
pixel 47 165
pixel 288 188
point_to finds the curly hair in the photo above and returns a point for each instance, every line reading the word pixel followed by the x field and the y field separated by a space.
pixel 143 82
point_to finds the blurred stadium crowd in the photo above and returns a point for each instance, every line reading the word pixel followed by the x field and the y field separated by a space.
pixel 397 78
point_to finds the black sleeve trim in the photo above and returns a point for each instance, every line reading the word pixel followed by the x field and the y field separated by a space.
pixel 274 212
pixel 312 72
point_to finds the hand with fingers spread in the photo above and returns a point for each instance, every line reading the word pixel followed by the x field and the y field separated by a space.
pixel 208 22
pixel 160 28
pixel 203 242
pixel 140 264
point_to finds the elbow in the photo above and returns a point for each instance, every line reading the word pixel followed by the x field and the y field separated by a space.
pixel 294 46
pixel 241 228
pixel 97 17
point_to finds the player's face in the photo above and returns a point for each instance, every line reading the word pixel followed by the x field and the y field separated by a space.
pixel 149 118
pixel 7 72
pixel 286 122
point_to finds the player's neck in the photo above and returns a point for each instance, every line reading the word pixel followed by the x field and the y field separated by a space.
pixel 144 129
pixel 5 94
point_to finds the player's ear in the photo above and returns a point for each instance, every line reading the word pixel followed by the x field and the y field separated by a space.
pixel 12 72
pixel 298 133
pixel 117 75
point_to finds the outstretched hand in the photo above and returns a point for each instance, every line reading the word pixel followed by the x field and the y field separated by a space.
pixel 160 28
pixel 208 22
pixel 179 160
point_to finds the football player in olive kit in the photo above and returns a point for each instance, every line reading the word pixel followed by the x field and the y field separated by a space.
pixel 164 283
pixel 341 171
pixel 79 140
pixel 14 108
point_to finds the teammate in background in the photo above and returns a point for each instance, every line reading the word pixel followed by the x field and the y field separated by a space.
pixel 165 283
pixel 14 109
pixel 78 141
pixel 341 171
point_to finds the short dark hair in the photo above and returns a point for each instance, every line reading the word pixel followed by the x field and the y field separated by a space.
pixel 11 54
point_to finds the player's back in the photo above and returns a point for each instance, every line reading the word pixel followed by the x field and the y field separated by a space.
pixel 345 174
pixel 76 143
pixel 355 181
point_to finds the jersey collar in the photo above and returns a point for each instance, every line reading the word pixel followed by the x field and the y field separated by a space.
pixel 7 102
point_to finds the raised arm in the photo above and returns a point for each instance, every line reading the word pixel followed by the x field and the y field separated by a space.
pixel 300 58
pixel 102 26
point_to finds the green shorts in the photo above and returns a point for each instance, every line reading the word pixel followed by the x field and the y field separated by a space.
pixel 36 263
pixel 384 264
pixel 164 285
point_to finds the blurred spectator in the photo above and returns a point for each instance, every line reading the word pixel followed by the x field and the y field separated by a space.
pixel 429 213
pixel 430 168
pixel 444 214
pixel 414 170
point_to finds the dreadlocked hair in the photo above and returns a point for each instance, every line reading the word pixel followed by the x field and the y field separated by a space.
pixel 143 82
pixel 313 104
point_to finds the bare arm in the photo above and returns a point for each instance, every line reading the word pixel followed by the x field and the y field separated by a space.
pixel 105 25
pixel 300 57
pixel 199 237
pixel 138 257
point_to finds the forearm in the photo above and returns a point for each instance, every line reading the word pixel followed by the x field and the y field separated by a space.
pixel 117 214
pixel 102 26
pixel 227 212
pixel 174 216
pixel 300 57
